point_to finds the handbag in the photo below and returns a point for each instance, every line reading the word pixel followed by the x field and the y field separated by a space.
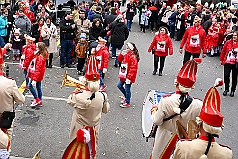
pixel 46 41
pixel 7 119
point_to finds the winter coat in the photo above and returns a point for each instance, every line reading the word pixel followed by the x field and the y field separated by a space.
pixel 24 24
pixel 66 31
pixel 81 50
pixel 102 56
pixel 166 16
pixel 194 40
pixel 180 23
pixel 98 15
pixel 109 19
pixel 16 42
pixel 172 19
pixel 119 34
pixel 51 34
pixel 162 45
pixel 227 55
pixel 36 32
pixel 3 26
pixel 131 10
pixel 90 15
pixel 154 14
pixel 96 31
pixel 28 52
pixel 38 71
pixel 130 60
pixel 145 15
pixel 83 25
pixel 30 15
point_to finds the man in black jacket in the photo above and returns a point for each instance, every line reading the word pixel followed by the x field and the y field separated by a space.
pixel 119 34
pixel 67 34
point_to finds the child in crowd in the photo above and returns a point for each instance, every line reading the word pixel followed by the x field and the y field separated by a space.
pixel 102 56
pixel 36 73
pixel 16 40
pixel 81 51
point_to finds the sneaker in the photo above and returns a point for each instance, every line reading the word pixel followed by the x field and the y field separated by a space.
pixel 35 102
pixel 24 87
pixel 123 101
pixel 125 105
pixel 40 104
pixel 62 66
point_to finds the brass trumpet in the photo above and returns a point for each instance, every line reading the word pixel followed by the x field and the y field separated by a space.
pixel 70 81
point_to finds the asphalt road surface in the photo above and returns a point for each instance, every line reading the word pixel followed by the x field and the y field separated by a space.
pixel 47 128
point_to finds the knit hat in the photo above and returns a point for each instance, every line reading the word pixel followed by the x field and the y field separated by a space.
pixel 187 74
pixel 83 35
pixel 91 73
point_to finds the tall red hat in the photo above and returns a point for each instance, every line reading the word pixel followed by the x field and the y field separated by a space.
pixel 91 73
pixel 187 74
pixel 1 57
pixel 210 112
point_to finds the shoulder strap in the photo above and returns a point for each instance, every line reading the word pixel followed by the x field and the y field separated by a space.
pixel 183 106
pixel 103 97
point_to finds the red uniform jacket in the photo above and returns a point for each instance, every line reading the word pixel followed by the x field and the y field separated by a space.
pixel 28 51
pixel 194 37
pixel 102 57
pixel 227 48
pixel 162 45
pixel 39 69
pixel 30 15
pixel 132 65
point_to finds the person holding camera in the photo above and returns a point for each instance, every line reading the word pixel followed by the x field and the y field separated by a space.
pixel 229 60
pixel 161 46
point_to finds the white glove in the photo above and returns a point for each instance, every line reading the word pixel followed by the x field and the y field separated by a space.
pixel 128 81
pixel 104 70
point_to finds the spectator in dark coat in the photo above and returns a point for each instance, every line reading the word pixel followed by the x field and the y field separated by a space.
pixel 96 30
pixel 111 17
pixel 172 21
pixel 119 34
pixel 130 13
pixel 153 17
pixel 206 25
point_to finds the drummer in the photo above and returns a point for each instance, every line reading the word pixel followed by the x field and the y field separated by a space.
pixel 178 106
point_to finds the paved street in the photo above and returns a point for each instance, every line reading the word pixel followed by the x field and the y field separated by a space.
pixel 47 128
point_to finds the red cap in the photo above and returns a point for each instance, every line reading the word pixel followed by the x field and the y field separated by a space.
pixel 91 73
pixel 1 57
pixel 210 112
pixel 187 74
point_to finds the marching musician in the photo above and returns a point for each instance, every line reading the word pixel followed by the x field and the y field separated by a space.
pixel 178 106
pixel 209 125
pixel 89 103
pixel 8 94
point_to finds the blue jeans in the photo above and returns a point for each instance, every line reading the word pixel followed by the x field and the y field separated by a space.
pixel 114 49
pixel 33 92
pixel 129 22
pixel 27 78
pixel 172 30
pixel 66 48
pixel 101 78
pixel 125 91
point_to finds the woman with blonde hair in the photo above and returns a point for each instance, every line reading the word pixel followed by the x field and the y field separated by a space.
pixel 128 70
pixel 36 71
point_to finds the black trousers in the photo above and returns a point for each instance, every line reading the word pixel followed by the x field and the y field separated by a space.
pixel 227 71
pixel 80 65
pixel 187 56
pixel 49 62
pixel 156 60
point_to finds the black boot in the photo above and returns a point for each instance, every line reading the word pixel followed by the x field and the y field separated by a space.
pixel 154 72
pixel 232 94
pixel 225 92
pixel 160 72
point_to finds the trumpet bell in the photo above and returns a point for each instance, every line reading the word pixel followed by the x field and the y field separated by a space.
pixel 37 155
pixel 70 81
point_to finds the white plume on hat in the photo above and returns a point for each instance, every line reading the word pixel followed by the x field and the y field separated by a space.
pixel 206 4
pixel 199 2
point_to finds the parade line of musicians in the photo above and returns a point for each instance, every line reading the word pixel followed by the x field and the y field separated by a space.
pixel 95 31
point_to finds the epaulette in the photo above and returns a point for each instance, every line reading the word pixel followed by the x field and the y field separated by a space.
pixel 197 98
pixel 166 95
pixel 225 146
pixel 185 140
